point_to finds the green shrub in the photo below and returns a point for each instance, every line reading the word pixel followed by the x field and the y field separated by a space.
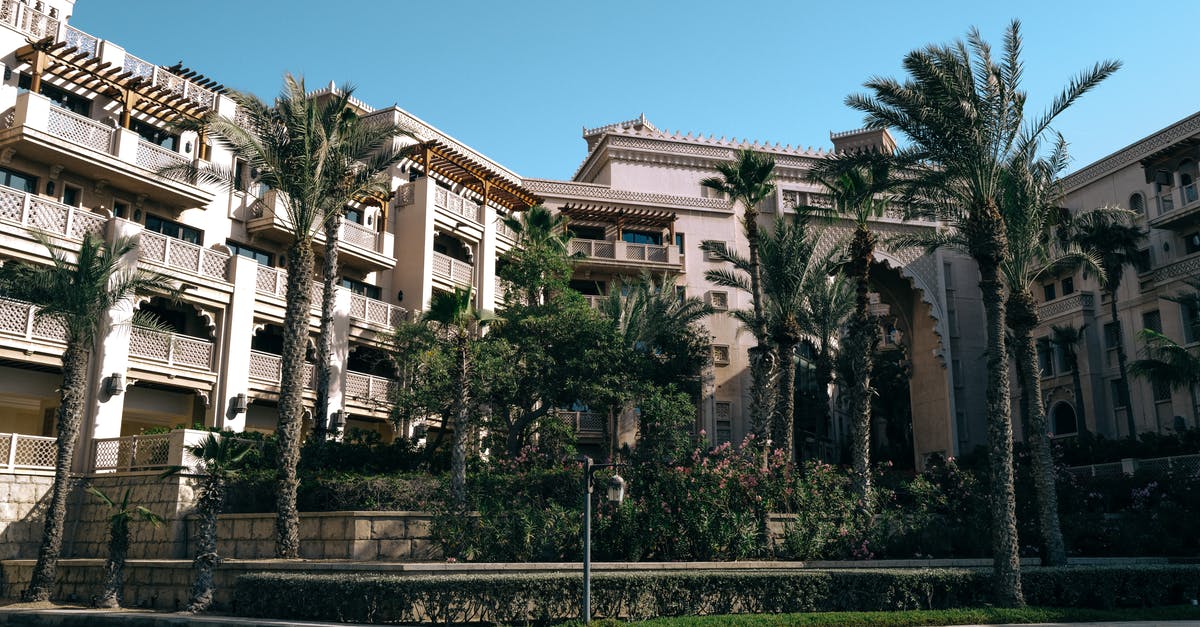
pixel 254 492
pixel 549 597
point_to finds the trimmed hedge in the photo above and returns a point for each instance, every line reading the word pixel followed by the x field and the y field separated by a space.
pixel 543 598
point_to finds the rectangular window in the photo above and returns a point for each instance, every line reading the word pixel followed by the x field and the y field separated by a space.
pixel 121 209
pixel 723 421
pixel 174 229
pixel 641 237
pixel 262 257
pixel 1162 391
pixel 18 180
pixel 72 195
pixel 580 231
pixel 155 135
pixel 1045 357
pixel 1191 242
pixel 1191 321
pixel 722 246
pixel 1048 291
pixel 720 355
pixel 718 299
pixel 1142 261
pixel 355 215
pixel 1152 320
pixel 362 289
pixel 1068 286
pixel 680 293
pixel 1111 337
pixel 58 97
pixel 1118 393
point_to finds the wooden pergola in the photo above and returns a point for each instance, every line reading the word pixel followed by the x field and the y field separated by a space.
pixel 437 157
pixel 134 92
pixel 622 216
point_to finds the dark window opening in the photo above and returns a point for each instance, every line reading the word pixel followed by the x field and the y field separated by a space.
pixel 1048 291
pixel 588 288
pixel 355 215
pixel 1068 286
pixel 1191 242
pixel 173 229
pixel 1064 420
pixel 1118 393
pixel 362 289
pixel 18 180
pixel 1152 320
pixel 1162 390
pixel 59 97
pixel 72 195
pixel 1142 262
pixel 261 256
pixel 1111 337
pixel 642 237
pixel 586 232
pixel 155 135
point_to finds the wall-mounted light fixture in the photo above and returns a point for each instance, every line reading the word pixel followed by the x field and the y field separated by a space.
pixel 114 384
pixel 339 421
pixel 240 403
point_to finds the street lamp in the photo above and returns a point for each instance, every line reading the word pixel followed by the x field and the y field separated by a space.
pixel 616 494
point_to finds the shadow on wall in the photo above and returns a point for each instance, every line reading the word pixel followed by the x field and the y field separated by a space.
pixel 173 498
pixel 23 503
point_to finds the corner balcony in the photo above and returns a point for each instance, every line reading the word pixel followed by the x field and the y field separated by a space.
pixel 368 393
pixel 369 312
pixel 365 392
pixel 620 256
pixel 451 272
pixel 1079 302
pixel 359 246
pixel 40 131
pixel 1177 208
pixel 30 212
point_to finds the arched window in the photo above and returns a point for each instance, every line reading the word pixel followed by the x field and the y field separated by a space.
pixel 1137 203
pixel 1062 419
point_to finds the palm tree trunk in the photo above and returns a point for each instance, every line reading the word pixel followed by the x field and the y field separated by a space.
pixel 70 417
pixel 785 410
pixel 114 567
pixel 1006 564
pixel 291 400
pixel 760 365
pixel 329 268
pixel 1077 385
pixel 1022 315
pixel 458 452
pixel 824 378
pixel 1130 424
pixel 209 506
pixel 863 337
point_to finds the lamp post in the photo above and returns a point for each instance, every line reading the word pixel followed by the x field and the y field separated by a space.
pixel 616 494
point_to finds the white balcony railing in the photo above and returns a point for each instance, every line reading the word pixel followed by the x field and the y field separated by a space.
pixel 273 281
pixel 369 387
pixel 150 453
pixel 503 230
pixel 27 452
pixel 360 236
pixel 35 212
pixel 465 207
pixel 269 211
pixel 19 319
pixel 268 367
pixel 453 270
pixel 593 248
pixel 617 250
pixel 376 312
pixel 155 158
pixel 594 301
pixel 172 349
pixel 28 20
pixel 586 422
pixel 81 130
pixel 646 252
pixel 176 253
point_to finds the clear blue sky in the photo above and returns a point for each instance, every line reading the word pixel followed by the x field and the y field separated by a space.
pixel 518 79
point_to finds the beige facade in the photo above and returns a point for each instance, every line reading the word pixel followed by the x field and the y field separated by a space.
pixel 86 126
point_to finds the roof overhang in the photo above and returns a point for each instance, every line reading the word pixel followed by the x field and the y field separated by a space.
pixel 437 157
pixel 625 216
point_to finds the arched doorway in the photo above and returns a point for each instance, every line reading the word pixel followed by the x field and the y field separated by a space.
pixel 1062 419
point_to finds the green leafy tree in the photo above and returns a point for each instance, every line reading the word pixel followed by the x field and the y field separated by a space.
pixel 301 147
pixel 540 265
pixel 859 184
pixel 1115 237
pixel 963 112
pixel 118 542
pixel 76 292
pixel 748 181
pixel 1067 337
pixel 831 301
pixel 1169 363
pixel 216 461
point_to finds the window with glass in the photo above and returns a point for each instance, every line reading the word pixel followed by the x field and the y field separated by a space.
pixel 641 237
pixel 354 215
pixel 1111 335
pixel 1045 356
pixel 1048 291
pixel 1117 392
pixel 1068 286
pixel 362 289
pixel 155 135
pixel 72 195
pixel 170 228
pixel 1191 243
pixel 580 231
pixel 1142 261
pixel 1137 203
pixel 58 97
pixel 1190 314
pixel 1152 320
pixel 261 256
pixel 18 180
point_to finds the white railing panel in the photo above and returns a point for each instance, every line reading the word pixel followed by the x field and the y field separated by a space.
pixel 80 130
pixel 359 235
pixel 172 349
pixel 154 157
pixel 132 453
pixel 27 452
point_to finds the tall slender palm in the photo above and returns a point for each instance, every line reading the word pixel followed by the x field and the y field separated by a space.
pixel 216 459
pixel 1168 363
pixel 831 302
pixel 963 113
pixel 1116 238
pixel 1029 205
pixel 859 184
pixel 544 245
pixel 76 291
pixel 748 181
pixel 1067 337
pixel 460 323
pixel 299 147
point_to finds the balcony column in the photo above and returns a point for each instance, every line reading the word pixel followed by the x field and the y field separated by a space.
pixel 102 418
pixel 485 266
pixel 341 351
pixel 234 369
pixel 40 61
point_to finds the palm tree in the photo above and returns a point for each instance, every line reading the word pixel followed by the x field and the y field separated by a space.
pixel 299 148
pixel 650 309
pixel 963 113
pixel 749 180
pixel 216 460
pixel 831 301
pixel 118 542
pixel 858 184
pixel 77 292
pixel 1067 337
pixel 460 323
pixel 1029 205
pixel 544 245
pixel 1116 239
pixel 1168 363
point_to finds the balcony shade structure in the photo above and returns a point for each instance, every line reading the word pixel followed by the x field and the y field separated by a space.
pixel 623 217
pixel 437 157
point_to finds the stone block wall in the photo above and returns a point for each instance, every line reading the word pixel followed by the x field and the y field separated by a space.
pixel 173 498
pixel 368 536
pixel 23 503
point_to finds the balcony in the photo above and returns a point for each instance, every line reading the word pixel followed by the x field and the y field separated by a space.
pixel 620 256
pixel 1177 208
pixel 27 338
pixel 273 281
pixel 27 454
pixel 171 349
pixel 34 212
pixel 150 453
pixel 1183 268
pixel 457 205
pixel 359 246
pixel 1084 302
pixel 268 368
pixel 369 311
pixel 177 254
pixel 590 426
pixel 369 391
pixel 453 271
pixel 40 131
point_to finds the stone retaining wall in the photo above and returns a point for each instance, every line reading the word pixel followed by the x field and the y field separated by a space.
pixel 23 502
pixel 172 498
pixel 383 536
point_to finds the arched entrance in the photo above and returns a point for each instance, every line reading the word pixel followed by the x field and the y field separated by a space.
pixel 1062 419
